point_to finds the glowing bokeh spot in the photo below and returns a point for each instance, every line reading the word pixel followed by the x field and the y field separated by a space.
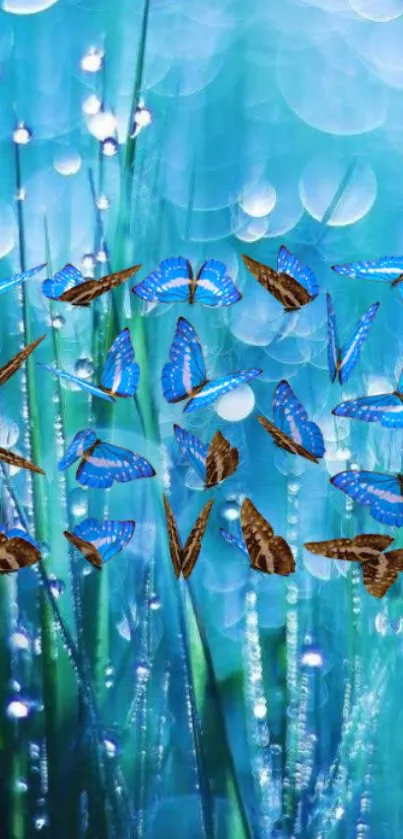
pixel 336 192
pixel 260 201
pixel 237 405
pixel 27 7
pixel 67 162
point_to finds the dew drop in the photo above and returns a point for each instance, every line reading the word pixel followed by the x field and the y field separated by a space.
pixel 58 321
pixel 92 61
pixel 109 147
pixel 84 368
pixel 22 135
pixel 91 105
pixel 18 709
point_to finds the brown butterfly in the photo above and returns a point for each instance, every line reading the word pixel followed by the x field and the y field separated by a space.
pixel 213 463
pixel 380 569
pixel 84 291
pixel 15 363
pixel 16 553
pixel 267 552
pixel 293 284
pixel 184 558
pixel 16 460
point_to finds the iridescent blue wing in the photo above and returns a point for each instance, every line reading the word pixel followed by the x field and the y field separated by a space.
pixel 386 269
pixel 387 409
pixel 289 264
pixel 214 286
pixel 169 284
pixel 17 279
pixel 193 449
pixel 82 441
pixel 93 389
pixel 333 341
pixel 108 537
pixel 68 277
pixel 216 388
pixel 18 533
pixel 400 383
pixel 380 492
pixel 235 541
pixel 120 375
pixel 186 370
pixel 108 463
pixel 291 417
pixel 350 353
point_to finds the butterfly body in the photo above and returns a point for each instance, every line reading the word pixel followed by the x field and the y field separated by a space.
pixel 175 282
pixel 380 567
pixel 292 430
pixel 102 463
pixel 213 463
pixel 294 285
pixel 381 492
pixel 70 286
pixel 342 360
pixel 100 541
pixel 184 557
pixel 17 550
pixel 267 553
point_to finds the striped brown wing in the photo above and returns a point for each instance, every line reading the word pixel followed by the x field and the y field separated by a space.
pixel 222 460
pixel 86 548
pixel 193 543
pixel 175 547
pixel 15 363
pixel 259 536
pixel 396 557
pixel 284 441
pixel 379 575
pixel 16 553
pixel 360 549
pixel 16 460
pixel 85 293
pixel 290 293
pixel 374 541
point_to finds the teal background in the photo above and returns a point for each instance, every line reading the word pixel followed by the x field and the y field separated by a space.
pixel 239 707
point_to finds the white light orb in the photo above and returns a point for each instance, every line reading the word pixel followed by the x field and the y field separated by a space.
pixel 237 405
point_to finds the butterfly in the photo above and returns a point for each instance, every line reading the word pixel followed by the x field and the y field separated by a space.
pixel 385 408
pixel 101 463
pixel 100 541
pixel 17 279
pixel 293 284
pixel 342 360
pixel 213 463
pixel 379 569
pixel 266 552
pixel 14 459
pixel 174 282
pixel 17 550
pixel 72 287
pixel 184 557
pixel 120 376
pixel 17 361
pixel 185 375
pixel 291 429
pixel 387 269
pixel 382 493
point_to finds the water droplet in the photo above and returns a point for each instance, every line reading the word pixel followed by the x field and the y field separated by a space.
pixel 155 603
pixel 57 586
pixel 311 656
pixel 84 368
pixel 92 61
pixel 142 671
pixel 102 202
pixel 40 822
pixel 92 105
pixel 21 194
pixel 102 125
pixel 88 262
pixel 58 321
pixel 34 750
pixel 142 118
pixel 260 709
pixel 78 502
pixel 110 147
pixel 22 135
pixel 18 709
pixel 20 639
pixel 20 785
pixel 230 510
pixel 110 747
pixel 102 255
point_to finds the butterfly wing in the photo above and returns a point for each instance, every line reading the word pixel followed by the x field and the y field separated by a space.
pixel 380 492
pixel 81 442
pixel 387 269
pixel 17 279
pixel 98 541
pixel 378 575
pixel 350 352
pixel 68 277
pixel 214 287
pixel 84 293
pixel 386 408
pixel 291 418
pixel 289 264
pixel 222 460
pixel 211 391
pixel 234 541
pixel 186 371
pixel 106 463
pixel 192 547
pixel 175 545
pixel 15 363
pixel 360 549
pixel 169 284
pixel 92 389
pixel 17 552
pixel 267 552
pixel 20 462
pixel 120 375
pixel 193 449
pixel 333 341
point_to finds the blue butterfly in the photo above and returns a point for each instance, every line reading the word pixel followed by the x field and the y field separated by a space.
pixel 293 284
pixel 185 375
pixel 388 269
pixel 71 286
pixel 102 463
pixel 120 376
pixel 382 493
pixel 99 542
pixel 214 462
pixel 342 360
pixel 385 408
pixel 174 282
pixel 17 279
pixel 291 429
